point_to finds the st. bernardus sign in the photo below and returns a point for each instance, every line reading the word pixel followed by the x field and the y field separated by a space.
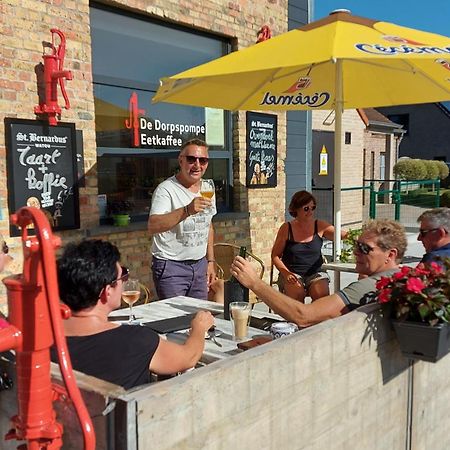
pixel 42 170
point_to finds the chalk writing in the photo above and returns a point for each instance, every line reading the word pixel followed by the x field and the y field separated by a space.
pixel 261 149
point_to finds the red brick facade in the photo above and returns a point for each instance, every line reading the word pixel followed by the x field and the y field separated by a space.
pixel 25 24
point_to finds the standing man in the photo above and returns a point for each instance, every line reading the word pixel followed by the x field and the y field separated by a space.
pixel 434 234
pixel 180 223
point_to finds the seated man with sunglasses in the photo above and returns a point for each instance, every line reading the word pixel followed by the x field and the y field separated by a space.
pixel 378 251
pixel 434 234
pixel 180 224
pixel 90 283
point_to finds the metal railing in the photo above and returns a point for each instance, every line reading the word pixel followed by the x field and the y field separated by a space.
pixel 391 199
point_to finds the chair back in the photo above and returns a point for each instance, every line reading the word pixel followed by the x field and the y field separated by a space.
pixel 225 253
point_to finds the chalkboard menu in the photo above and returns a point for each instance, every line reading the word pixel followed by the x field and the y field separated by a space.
pixel 261 150
pixel 42 170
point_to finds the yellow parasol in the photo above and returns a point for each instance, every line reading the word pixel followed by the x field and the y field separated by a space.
pixel 338 62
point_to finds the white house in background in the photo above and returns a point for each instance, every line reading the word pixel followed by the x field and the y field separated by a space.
pixel 369 151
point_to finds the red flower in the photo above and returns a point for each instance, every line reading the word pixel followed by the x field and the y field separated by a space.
pixel 437 268
pixel 385 295
pixel 420 294
pixel 398 275
pixel 415 285
pixel 383 282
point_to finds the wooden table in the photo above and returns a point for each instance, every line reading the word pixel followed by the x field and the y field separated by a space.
pixel 339 267
pixel 179 306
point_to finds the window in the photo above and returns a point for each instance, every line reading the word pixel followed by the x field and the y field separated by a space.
pixel 382 166
pixel 138 142
pixel 348 137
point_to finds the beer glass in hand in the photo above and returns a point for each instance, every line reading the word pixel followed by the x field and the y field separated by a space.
pixel 207 190
pixel 130 295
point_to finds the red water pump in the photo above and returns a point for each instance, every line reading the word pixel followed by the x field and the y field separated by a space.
pixel 34 324
pixel 54 73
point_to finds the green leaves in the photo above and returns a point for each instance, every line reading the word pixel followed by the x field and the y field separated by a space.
pixel 419 294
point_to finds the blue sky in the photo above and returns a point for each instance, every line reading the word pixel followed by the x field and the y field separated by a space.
pixel 431 15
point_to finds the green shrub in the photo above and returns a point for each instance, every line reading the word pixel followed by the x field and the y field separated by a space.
pixel 410 169
pixel 443 169
pixel 445 199
pixel 349 244
pixel 432 169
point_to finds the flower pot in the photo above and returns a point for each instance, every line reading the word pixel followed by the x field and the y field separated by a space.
pixel 422 341
pixel 121 220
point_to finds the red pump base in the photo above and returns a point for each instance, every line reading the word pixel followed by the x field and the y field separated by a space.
pixel 34 324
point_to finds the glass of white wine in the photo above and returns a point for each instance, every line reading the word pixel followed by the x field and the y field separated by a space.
pixel 131 292
pixel 207 190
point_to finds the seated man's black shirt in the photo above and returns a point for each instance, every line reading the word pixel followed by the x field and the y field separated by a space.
pixel 121 355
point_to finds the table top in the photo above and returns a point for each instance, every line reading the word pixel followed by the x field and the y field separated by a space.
pixel 179 306
pixel 339 266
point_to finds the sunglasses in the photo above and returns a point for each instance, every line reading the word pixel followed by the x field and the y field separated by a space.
pixel 5 248
pixel 203 160
pixel 307 208
pixel 363 248
pixel 423 233
pixel 124 277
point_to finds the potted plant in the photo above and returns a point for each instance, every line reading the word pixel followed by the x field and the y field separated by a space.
pixel 420 301
pixel 349 244
pixel 120 210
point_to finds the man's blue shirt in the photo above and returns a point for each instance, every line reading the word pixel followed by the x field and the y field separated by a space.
pixel 434 255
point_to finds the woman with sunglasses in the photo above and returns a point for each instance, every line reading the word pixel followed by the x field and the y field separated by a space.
pixel 90 282
pixel 297 251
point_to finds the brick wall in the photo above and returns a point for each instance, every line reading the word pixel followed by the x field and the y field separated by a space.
pixel 25 24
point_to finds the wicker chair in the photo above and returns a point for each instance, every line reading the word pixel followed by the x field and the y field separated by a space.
pixel 225 253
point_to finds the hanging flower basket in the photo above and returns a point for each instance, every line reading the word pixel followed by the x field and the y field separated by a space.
pixel 422 341
pixel 420 301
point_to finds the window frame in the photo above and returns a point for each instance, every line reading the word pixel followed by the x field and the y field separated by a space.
pixel 116 82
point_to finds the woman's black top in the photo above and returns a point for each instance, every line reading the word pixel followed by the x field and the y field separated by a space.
pixel 303 258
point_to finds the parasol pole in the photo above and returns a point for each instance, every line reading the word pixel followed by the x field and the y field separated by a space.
pixel 337 167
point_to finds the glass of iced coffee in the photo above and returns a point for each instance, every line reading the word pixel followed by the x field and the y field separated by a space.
pixel 240 317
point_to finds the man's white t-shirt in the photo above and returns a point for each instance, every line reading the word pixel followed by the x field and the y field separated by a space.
pixel 189 238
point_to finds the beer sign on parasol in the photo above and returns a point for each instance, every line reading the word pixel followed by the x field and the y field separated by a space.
pixel 338 62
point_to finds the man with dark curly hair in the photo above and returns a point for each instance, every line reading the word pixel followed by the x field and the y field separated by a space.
pixel 90 282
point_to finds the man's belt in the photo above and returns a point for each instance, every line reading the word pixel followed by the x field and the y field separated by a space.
pixel 189 262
